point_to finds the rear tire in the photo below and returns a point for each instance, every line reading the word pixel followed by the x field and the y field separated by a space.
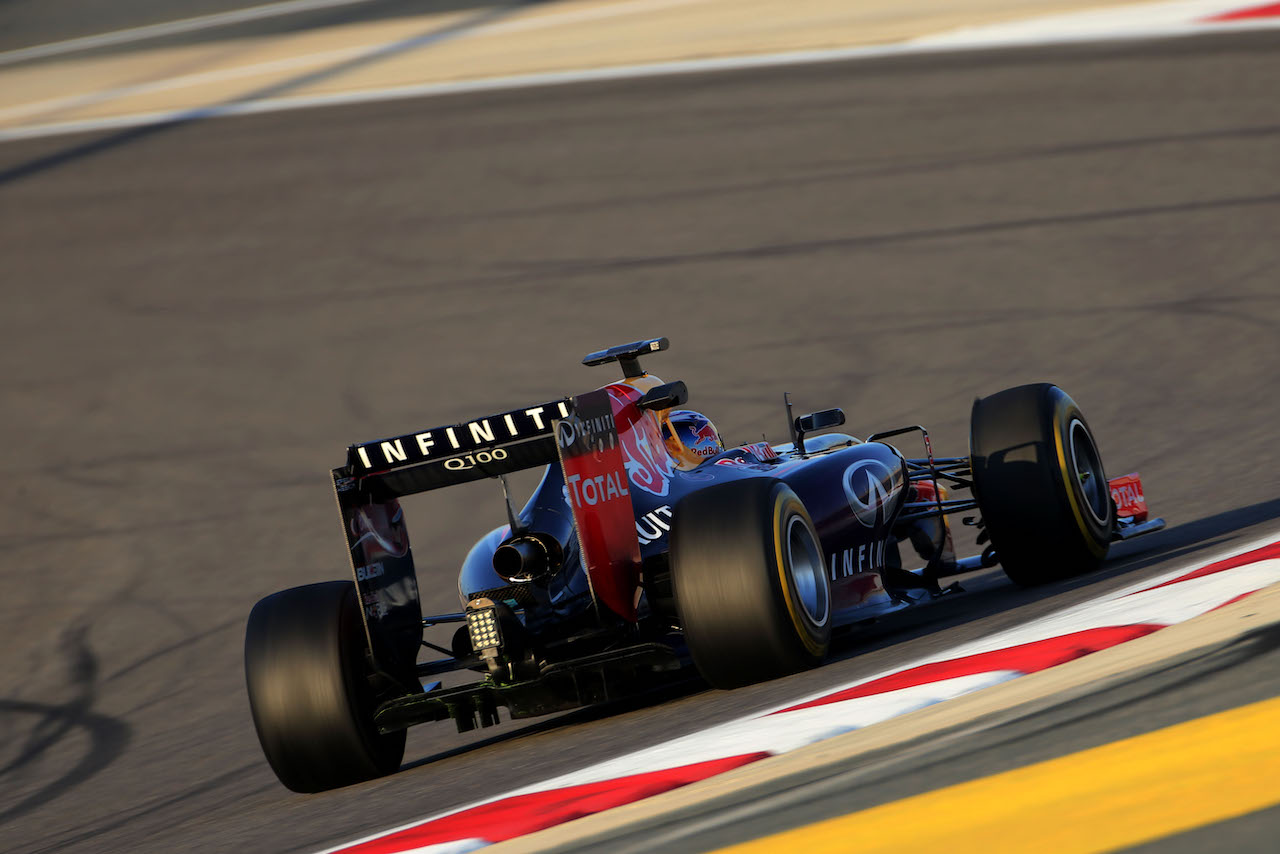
pixel 307 673
pixel 750 586
pixel 1040 485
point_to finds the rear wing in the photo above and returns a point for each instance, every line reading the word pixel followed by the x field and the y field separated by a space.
pixel 377 473
pixel 454 453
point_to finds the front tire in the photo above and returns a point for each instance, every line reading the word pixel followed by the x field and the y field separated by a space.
pixel 1040 485
pixel 750 586
pixel 308 678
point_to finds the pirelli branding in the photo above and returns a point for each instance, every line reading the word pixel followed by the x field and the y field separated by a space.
pixel 461 446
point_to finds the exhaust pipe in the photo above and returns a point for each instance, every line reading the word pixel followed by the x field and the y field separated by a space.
pixel 527 558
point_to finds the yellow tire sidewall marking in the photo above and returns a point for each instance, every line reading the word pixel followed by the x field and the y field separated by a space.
pixel 787 500
pixel 1069 485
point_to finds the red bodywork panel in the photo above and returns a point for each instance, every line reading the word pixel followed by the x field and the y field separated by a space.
pixel 596 481
pixel 1126 492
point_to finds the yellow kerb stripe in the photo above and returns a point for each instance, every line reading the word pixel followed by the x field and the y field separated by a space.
pixel 1110 797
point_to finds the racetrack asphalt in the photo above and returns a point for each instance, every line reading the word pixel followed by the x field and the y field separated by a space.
pixel 200 317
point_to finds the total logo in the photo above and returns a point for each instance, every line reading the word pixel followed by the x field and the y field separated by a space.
pixel 590 491
pixel 864 486
pixel 1127 495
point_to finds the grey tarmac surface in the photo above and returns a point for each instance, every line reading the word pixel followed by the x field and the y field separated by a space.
pixel 199 318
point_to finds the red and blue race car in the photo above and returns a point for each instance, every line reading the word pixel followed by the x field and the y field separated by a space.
pixel 648 548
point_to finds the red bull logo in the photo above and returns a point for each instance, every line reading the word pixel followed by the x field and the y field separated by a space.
pixel 706 433
pixel 696 435
pixel 649 466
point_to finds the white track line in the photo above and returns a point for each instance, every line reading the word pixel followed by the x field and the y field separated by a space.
pixel 1147 20
pixel 972 40
pixel 184 81
pixel 490 84
pixel 170 28
pixel 294 7
pixel 335 56
pixel 594 13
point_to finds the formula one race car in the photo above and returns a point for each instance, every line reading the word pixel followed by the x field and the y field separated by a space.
pixel 649 547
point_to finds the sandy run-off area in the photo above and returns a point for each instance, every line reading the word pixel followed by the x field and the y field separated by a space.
pixel 212 68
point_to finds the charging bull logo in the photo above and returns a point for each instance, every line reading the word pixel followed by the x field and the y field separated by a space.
pixel 644 454
pixel 703 440
pixel 705 433
pixel 869 485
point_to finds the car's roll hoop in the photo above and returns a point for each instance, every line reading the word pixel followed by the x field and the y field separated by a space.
pixel 627 355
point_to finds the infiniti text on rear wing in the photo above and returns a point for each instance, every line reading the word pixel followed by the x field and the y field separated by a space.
pixel 454 453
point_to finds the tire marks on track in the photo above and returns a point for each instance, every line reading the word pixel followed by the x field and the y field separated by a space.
pixel 54 723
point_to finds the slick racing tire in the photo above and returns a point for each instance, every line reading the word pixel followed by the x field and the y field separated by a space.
pixel 1039 482
pixel 307 675
pixel 749 583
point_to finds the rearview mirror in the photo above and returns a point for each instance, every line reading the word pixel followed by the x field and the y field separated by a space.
pixel 821 420
pixel 669 395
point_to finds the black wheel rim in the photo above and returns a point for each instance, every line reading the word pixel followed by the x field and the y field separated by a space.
pixel 1086 466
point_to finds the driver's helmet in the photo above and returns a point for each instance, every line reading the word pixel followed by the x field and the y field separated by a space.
pixel 691 438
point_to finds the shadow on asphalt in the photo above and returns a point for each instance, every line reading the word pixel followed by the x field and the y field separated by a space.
pixel 684 686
